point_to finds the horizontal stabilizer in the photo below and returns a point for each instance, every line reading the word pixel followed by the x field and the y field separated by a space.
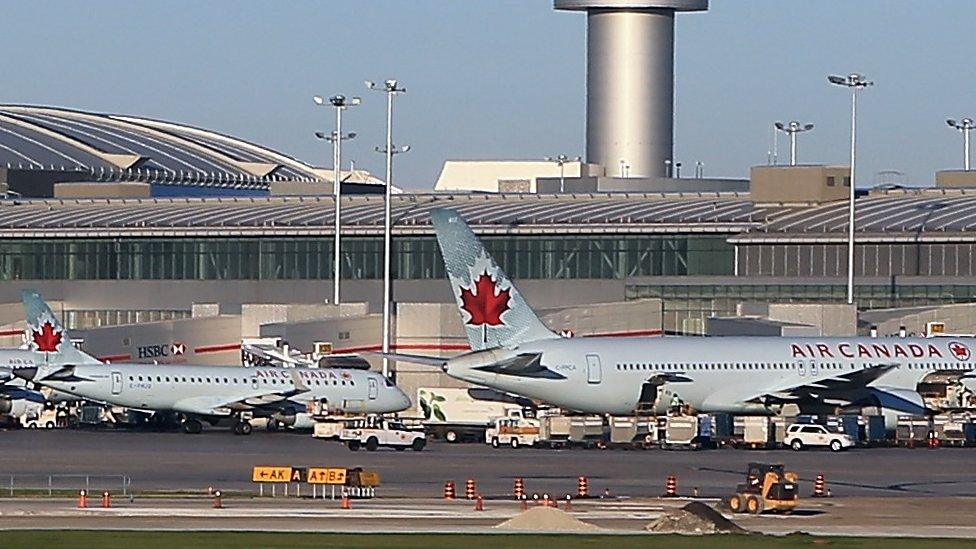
pixel 414 359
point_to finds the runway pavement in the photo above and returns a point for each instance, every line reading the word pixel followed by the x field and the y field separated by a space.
pixel 175 461
pixel 912 517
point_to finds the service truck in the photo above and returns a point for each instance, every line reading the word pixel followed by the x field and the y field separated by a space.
pixel 458 415
pixel 515 431
pixel 374 432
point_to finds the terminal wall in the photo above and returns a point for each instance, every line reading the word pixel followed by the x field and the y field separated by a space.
pixel 231 294
pixel 958 318
pixel 210 340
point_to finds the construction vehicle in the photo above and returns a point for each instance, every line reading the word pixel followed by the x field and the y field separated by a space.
pixel 768 487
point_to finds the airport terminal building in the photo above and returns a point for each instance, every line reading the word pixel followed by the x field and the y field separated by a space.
pixel 128 225
pixel 699 252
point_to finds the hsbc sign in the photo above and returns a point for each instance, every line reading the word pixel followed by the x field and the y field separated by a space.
pixel 161 351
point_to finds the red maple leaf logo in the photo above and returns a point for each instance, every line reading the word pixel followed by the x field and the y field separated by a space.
pixel 482 304
pixel 960 351
pixel 47 340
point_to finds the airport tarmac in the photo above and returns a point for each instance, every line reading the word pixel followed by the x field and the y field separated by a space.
pixel 179 462
pixel 853 516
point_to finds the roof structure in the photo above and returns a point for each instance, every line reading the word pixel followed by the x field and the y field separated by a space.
pixel 889 216
pixel 125 148
pixel 723 213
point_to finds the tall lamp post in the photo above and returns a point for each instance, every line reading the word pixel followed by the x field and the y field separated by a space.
pixel 791 129
pixel 340 103
pixel 855 82
pixel 965 126
pixel 561 161
pixel 391 88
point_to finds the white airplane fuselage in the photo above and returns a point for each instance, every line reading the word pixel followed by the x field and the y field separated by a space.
pixel 605 375
pixel 199 389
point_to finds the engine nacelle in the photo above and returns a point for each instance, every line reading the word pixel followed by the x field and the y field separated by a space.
pixel 286 419
pixel 17 407
pixel 894 402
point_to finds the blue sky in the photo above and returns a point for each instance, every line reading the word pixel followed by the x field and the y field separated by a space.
pixel 504 78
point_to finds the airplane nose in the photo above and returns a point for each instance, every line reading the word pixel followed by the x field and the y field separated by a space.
pixel 25 373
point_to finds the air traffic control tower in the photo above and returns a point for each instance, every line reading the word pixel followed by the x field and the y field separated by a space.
pixel 630 82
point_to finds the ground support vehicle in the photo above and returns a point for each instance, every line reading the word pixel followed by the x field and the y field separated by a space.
pixel 768 488
pixel 373 433
pixel 810 435
pixel 513 431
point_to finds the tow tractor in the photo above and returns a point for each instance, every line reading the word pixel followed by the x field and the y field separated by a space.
pixel 768 487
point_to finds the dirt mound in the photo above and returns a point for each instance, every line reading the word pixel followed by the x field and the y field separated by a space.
pixel 546 519
pixel 694 518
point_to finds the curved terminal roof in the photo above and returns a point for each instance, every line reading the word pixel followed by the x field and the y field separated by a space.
pixel 898 215
pixel 363 214
pixel 126 148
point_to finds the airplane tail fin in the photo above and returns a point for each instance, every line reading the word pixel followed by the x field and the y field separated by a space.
pixel 492 309
pixel 46 334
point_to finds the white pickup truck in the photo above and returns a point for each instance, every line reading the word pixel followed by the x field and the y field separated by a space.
pixel 373 433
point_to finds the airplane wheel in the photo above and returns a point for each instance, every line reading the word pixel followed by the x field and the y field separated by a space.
pixel 372 444
pixel 193 427
pixel 736 503
pixel 418 444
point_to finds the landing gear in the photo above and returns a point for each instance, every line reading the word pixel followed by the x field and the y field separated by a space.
pixel 192 426
pixel 242 428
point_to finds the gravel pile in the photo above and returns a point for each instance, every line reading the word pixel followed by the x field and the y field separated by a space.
pixel 694 518
pixel 546 519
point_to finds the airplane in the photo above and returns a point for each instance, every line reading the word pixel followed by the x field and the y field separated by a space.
pixel 16 397
pixel 513 351
pixel 214 394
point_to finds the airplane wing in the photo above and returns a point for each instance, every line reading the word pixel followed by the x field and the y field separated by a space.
pixel 222 406
pixel 839 387
pixel 522 365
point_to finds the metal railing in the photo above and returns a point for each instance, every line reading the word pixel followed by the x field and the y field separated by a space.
pixel 51 483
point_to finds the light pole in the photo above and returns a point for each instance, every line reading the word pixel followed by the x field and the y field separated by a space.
pixel 561 161
pixel 390 88
pixel 965 126
pixel 791 129
pixel 855 82
pixel 340 103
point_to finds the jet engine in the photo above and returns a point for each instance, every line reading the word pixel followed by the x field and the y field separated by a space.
pixel 894 402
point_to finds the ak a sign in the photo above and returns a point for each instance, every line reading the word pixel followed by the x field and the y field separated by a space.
pixel 266 473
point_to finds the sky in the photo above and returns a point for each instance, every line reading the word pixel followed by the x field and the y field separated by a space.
pixel 505 79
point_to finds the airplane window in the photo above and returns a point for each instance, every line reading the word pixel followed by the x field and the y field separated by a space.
pixel 225 380
pixel 208 380
pixel 130 378
pixel 167 379
pixel 158 378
